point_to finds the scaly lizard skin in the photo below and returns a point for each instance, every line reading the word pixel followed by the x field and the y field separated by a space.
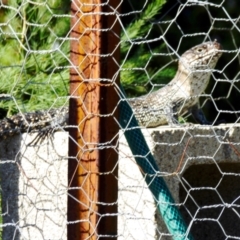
pixel 34 122
pixel 157 108
pixel 182 94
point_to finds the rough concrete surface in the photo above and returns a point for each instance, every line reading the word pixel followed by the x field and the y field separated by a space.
pixel 200 164
pixel 34 188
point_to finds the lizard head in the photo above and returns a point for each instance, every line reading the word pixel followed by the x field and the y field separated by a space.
pixel 195 67
pixel 201 57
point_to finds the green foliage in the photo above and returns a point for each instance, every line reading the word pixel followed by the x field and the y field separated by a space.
pixel 34 67
pixel 141 26
pixel 135 77
pixel 139 71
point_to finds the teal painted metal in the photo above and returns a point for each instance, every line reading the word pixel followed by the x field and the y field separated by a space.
pixel 150 170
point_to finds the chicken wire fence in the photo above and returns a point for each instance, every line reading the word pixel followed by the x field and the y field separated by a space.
pixel 89 172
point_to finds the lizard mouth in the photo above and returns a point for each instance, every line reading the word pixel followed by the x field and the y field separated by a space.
pixel 218 47
pixel 217 44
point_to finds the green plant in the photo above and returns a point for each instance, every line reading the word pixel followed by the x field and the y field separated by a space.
pixel 34 67
pixel 139 72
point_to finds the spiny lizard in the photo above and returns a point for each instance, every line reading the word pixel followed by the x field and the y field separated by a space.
pixel 158 108
pixel 182 94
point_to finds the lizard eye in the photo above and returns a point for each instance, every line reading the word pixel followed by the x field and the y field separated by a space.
pixel 199 50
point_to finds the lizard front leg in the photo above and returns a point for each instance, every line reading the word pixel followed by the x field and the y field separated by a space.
pixel 171 115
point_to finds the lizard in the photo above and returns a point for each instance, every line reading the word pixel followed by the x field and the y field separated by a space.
pixel 161 107
pixel 182 93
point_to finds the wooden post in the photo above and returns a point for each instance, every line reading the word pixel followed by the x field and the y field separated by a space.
pixel 92 171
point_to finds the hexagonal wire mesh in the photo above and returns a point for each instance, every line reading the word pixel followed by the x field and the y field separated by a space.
pixel 41 180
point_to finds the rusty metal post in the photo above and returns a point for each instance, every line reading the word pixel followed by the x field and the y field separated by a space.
pixel 92 171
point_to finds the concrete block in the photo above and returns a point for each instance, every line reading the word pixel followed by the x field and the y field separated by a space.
pixel 34 187
pixel 200 164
